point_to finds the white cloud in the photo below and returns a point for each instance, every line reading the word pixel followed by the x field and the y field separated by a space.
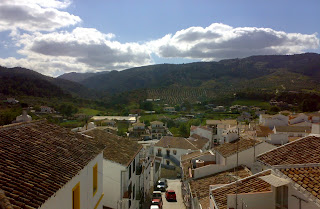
pixel 35 15
pixel 220 41
pixel 83 49
pixel 87 49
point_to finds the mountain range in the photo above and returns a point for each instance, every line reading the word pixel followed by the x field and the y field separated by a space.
pixel 193 81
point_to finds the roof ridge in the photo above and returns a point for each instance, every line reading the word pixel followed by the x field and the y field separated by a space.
pixel 191 143
pixel 21 124
pixel 244 179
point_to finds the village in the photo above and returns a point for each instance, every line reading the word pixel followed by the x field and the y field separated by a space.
pixel 254 160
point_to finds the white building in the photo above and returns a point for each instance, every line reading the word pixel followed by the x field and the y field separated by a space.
pixel 158 129
pixel 299 118
pixel 122 168
pixel 202 131
pixel 226 156
pixel 273 120
pixel 46 109
pixel 293 131
pixel 55 168
pixel 12 100
pixel 169 109
pixel 171 148
pixel 276 188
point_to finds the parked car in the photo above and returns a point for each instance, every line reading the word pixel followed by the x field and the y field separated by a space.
pixel 157 202
pixel 154 207
pixel 162 185
pixel 156 195
pixel 171 195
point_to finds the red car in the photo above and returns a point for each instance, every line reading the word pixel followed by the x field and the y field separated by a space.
pixel 171 195
pixel 157 202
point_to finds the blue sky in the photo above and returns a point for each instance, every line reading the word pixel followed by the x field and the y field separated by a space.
pixel 54 37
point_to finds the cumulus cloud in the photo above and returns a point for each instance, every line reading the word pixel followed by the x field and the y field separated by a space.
pixel 87 49
pixel 220 41
pixel 35 15
pixel 83 49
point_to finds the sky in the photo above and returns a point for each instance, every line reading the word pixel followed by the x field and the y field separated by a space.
pixel 60 36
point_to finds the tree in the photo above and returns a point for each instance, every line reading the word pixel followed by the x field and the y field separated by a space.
pixel 183 130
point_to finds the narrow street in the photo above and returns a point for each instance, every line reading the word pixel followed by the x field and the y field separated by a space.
pixel 176 186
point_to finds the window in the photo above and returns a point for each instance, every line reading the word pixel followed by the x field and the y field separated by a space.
pixel 134 166
pixel 174 152
pixel 76 197
pixel 168 162
pixel 130 172
pixel 134 192
pixel 95 179
pixel 168 152
pixel 282 197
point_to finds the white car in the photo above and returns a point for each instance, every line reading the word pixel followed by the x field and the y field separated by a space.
pixel 154 207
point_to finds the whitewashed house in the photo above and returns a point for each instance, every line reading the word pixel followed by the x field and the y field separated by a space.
pixel 171 148
pixel 298 118
pixel 282 187
pixel 46 109
pixel 293 131
pixel 158 129
pixel 169 109
pixel 122 168
pixel 55 168
pixel 226 156
pixel 273 120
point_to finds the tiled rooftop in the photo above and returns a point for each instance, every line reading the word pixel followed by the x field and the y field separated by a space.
pixel 175 142
pixel 198 141
pixel 305 129
pixel 225 122
pixel 200 187
pixel 4 202
pixel 228 149
pixel 263 131
pixel 119 149
pixel 38 158
pixel 248 185
pixel 301 151
pixel 306 177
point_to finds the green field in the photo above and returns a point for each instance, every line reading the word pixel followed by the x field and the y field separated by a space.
pixel 154 117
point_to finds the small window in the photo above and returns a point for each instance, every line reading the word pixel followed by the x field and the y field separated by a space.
pixel 130 172
pixel 174 152
pixel 95 179
pixel 134 166
pixel 168 162
pixel 76 197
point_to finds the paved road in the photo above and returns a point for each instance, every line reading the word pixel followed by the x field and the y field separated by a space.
pixel 176 186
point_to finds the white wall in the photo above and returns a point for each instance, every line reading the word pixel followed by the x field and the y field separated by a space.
pixel 261 200
pixel 202 132
pixel 315 128
pixel 63 198
pixel 294 202
pixel 279 138
pixel 111 183
pixel 246 157
pixel 164 152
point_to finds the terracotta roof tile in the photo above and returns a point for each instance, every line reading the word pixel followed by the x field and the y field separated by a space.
pixel 4 201
pixel 263 131
pixel 200 187
pixel 305 129
pixel 119 149
pixel 248 185
pixel 198 141
pixel 228 149
pixel 38 158
pixel 301 151
pixel 306 177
